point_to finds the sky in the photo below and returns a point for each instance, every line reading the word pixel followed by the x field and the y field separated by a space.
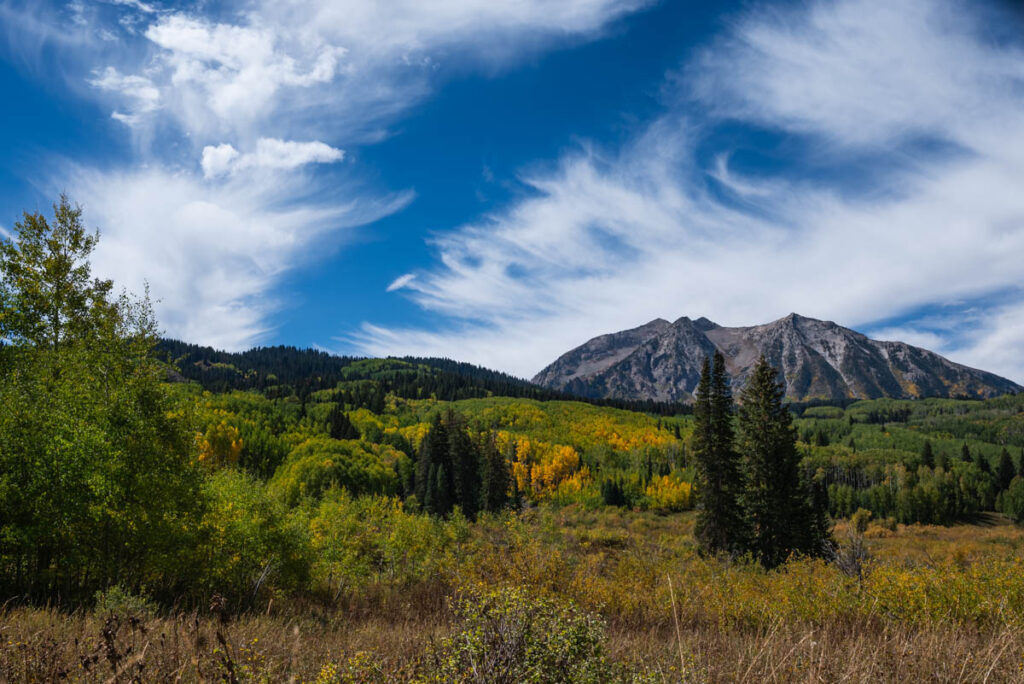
pixel 498 181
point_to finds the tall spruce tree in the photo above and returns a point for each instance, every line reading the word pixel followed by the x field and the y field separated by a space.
pixel 777 497
pixel 433 470
pixel 927 455
pixel 1004 471
pixel 496 478
pixel 465 466
pixel 339 426
pixel 721 525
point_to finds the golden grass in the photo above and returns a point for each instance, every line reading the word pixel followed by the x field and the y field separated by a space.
pixel 936 604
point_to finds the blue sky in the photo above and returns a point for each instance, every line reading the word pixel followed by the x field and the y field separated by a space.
pixel 498 181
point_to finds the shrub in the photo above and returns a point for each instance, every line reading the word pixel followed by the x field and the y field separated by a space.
pixel 117 600
pixel 508 635
pixel 320 463
pixel 1012 500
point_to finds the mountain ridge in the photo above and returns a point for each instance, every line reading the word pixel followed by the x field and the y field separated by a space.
pixel 661 361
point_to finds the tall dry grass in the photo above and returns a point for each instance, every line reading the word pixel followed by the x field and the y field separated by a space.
pixel 935 604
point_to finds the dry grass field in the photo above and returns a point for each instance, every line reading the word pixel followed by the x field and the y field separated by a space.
pixel 931 604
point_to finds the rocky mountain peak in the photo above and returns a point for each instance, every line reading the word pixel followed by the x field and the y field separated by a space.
pixel 818 359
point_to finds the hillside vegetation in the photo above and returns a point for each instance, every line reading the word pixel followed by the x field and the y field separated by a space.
pixel 374 520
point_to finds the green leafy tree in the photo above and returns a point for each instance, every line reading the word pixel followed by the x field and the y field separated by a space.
pixel 721 525
pixel 98 477
pixel 1012 500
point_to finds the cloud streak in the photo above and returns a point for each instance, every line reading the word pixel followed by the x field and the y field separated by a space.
pixel 914 110
pixel 230 108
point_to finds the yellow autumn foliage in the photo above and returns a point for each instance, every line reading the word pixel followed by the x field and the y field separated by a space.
pixel 220 445
pixel 668 494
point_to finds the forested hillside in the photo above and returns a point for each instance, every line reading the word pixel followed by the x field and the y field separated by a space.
pixel 285 370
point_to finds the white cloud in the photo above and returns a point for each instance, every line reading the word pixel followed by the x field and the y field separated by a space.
pixel 284 67
pixel 400 282
pixel 612 240
pixel 253 93
pixel 141 95
pixel 212 254
pixel 228 76
pixel 270 153
pixel 136 4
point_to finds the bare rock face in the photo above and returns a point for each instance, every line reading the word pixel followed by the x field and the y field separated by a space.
pixel 818 359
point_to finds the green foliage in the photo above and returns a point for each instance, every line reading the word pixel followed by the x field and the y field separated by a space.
pixel 721 522
pixel 98 482
pixel 512 635
pixel 1012 500
pixel 319 463
pixel 495 475
pixel 249 542
pixel 356 542
pixel 121 602
pixel 776 496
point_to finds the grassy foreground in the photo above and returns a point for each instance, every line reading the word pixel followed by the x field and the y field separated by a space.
pixel 932 604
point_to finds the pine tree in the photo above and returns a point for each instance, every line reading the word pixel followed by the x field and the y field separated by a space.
pixel 339 426
pixel 965 453
pixel 495 476
pixel 721 524
pixel 1005 471
pixel 465 467
pixel 927 456
pixel 777 498
pixel 982 462
pixel 433 470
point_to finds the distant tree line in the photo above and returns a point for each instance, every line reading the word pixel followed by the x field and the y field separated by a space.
pixel 283 370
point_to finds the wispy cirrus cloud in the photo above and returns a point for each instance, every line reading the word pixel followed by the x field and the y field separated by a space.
pixel 239 114
pixel 913 109
pixel 401 281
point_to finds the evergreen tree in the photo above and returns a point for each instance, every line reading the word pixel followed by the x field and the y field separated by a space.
pixel 777 498
pixel 927 456
pixel 612 493
pixel 721 525
pixel 965 453
pixel 1005 471
pixel 339 426
pixel 495 476
pixel 433 486
pixel 465 467
pixel 982 462
pixel 1020 464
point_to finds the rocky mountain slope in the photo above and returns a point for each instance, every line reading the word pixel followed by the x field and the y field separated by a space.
pixel 819 360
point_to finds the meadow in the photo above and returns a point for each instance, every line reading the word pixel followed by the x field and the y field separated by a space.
pixel 932 604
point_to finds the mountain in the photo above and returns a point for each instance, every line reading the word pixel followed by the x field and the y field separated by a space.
pixel 819 360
